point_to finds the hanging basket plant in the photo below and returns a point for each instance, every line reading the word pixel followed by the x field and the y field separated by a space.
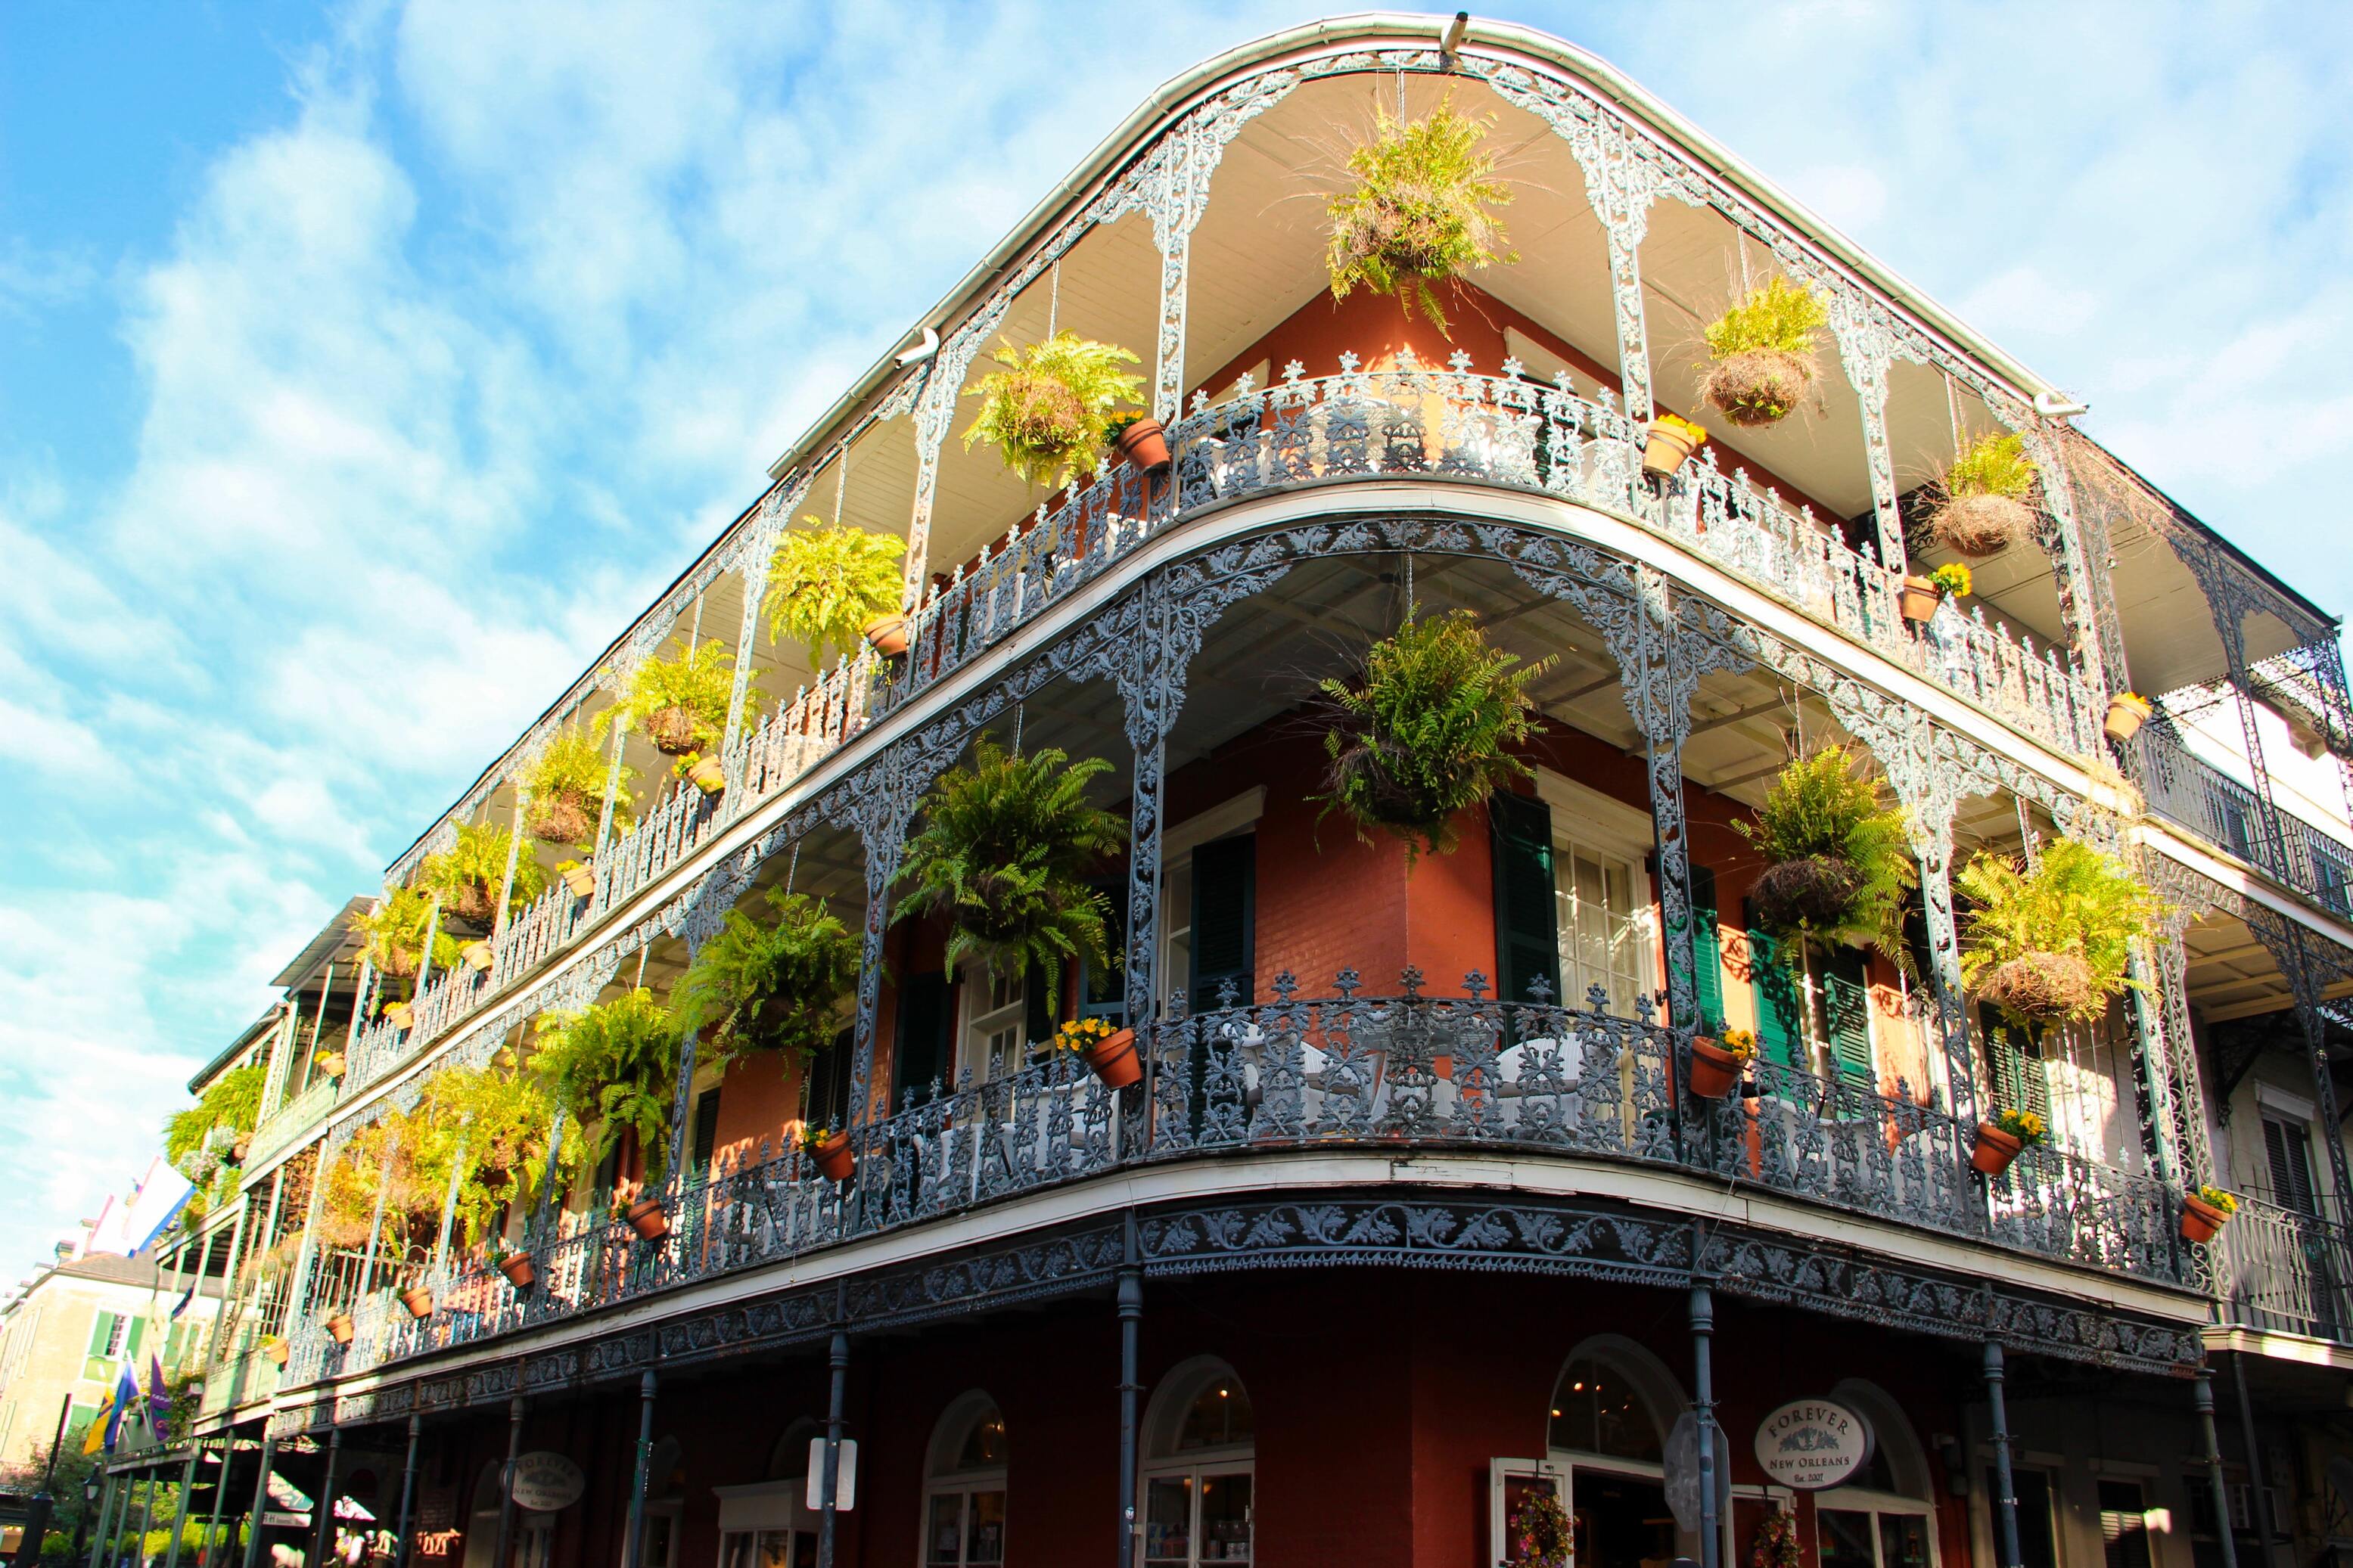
pixel 564 791
pixel 395 934
pixel 1418 214
pixel 1004 853
pixel 770 985
pixel 1048 410
pixel 1424 730
pixel 468 875
pixel 1838 862
pixel 492 1124
pixel 2050 944
pixel 828 583
pixel 615 1064
pixel 1982 507
pixel 1762 353
pixel 679 702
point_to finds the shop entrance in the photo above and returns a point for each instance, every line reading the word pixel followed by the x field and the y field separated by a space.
pixel 1621 1520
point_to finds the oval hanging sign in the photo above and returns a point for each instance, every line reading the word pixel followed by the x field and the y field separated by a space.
pixel 545 1481
pixel 1810 1444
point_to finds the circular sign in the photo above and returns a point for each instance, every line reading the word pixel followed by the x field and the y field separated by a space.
pixel 1810 1444
pixel 545 1481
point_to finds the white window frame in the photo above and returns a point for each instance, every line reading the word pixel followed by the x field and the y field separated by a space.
pixel 1199 1465
pixel 1609 829
pixel 980 1016
pixel 1861 1500
pixel 964 1485
pixel 1225 820
pixel 763 1507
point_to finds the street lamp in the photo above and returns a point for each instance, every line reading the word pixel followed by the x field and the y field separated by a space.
pixel 88 1505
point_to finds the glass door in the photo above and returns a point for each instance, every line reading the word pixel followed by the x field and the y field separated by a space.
pixel 1196 1516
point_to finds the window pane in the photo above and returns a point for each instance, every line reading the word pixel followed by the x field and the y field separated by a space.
pixel 1902 1540
pixel 1168 1519
pixel 1220 1414
pixel 1224 1519
pixel 1844 1537
pixel 947 1530
pixel 984 1446
pixel 2123 1525
pixel 2033 1489
pixel 987 1528
pixel 1595 1410
pixel 775 1549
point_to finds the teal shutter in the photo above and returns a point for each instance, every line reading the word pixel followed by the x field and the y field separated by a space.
pixel 1846 1011
pixel 1527 943
pixel 1780 1011
pixel 1707 950
pixel 1039 1006
pixel 706 1129
pixel 1103 987
pixel 138 1334
pixel 99 1364
pixel 2018 1081
pixel 1224 913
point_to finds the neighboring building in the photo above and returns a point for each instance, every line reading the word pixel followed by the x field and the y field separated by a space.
pixel 74 1328
pixel 1388 1239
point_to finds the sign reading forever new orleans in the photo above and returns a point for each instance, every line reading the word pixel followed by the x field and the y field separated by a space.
pixel 1810 1444
pixel 545 1481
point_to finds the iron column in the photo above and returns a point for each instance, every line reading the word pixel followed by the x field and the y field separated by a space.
pixel 2201 1399
pixel 832 1477
pixel 2005 1495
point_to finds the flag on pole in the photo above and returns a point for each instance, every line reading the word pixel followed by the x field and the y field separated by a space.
pixel 95 1437
pixel 126 1394
pixel 186 1297
pixel 159 1403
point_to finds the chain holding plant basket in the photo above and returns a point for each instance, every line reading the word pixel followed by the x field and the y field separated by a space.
pixel 2003 1139
pixel 1109 1052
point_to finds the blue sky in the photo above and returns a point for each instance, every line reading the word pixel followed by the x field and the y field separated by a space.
pixel 363 368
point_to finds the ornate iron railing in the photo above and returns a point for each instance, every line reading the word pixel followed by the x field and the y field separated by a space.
pixel 2229 814
pixel 1404 1072
pixel 1411 422
pixel 2280 1270
pixel 289 1123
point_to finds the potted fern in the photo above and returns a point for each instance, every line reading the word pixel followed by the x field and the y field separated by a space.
pixel 468 875
pixel 564 794
pixel 832 585
pixel 1005 851
pixel 2050 944
pixel 772 985
pixel 1838 861
pixel 1422 732
pixel 491 1123
pixel 615 1064
pixel 1919 597
pixel 1982 507
pixel 1418 214
pixel 1048 409
pixel 2003 1139
pixel 2205 1212
pixel 1762 352
pixel 679 702
pixel 1670 442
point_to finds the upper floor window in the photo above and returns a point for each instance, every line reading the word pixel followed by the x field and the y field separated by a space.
pixel 1573 896
pixel 964 1486
pixel 1200 1454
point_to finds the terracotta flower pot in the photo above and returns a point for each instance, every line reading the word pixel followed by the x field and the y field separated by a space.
pixel 581 879
pixel 1146 445
pixel 275 1351
pixel 477 956
pixel 649 1219
pixel 339 1327
pixel 708 776
pixel 516 1267
pixel 2127 712
pixel 2199 1219
pixel 402 1014
pixel 236 1150
pixel 886 634
pixel 419 1300
pixel 1666 447
pixel 1115 1061
pixel 1714 1069
pixel 833 1158
pixel 1918 599
pixel 331 1063
pixel 1995 1149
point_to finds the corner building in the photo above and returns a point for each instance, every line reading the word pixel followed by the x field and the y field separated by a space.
pixel 1413 1213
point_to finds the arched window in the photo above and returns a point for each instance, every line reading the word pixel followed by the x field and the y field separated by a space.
pixel 769 1523
pixel 1606 1431
pixel 1200 1448
pixel 1882 1517
pixel 964 1486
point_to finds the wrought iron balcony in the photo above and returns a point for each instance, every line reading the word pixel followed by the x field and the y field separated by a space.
pixel 2284 1272
pixel 2229 814
pixel 1407 1073
pixel 288 1125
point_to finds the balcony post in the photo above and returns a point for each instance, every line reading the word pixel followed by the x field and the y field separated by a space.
pixel 503 1552
pixel 228 1282
pixel 883 830
pixel 2259 1501
pixel 298 1285
pixel 604 812
pixel 2201 1399
pixel 2152 1060
pixel 681 1108
pixel 1621 183
pixel 1658 679
pixel 760 549
pixel 406 1516
pixel 2078 548
pixel 180 1506
pixel 1131 1325
pixel 1928 821
pixel 323 1527
pixel 261 1508
pixel 829 1479
pixel 105 1512
pixel 634 1546
pixel 2005 1494
pixel 220 1495
pixel 2169 969
pixel 1702 1331
pixel 1866 348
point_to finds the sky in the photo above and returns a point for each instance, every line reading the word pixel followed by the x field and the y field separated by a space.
pixel 363 369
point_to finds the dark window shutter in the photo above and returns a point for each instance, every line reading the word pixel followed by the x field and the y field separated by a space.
pixel 1707 954
pixel 1225 910
pixel 1527 943
pixel 1780 1009
pixel 1846 1011
pixel 828 1080
pixel 2018 1081
pixel 922 1056
pixel 1039 1007
pixel 1103 987
pixel 608 1174
pixel 706 1128
pixel 2287 1150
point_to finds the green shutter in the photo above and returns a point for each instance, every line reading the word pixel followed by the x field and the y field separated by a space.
pixel 2020 1083
pixel 1708 951
pixel 1846 1011
pixel 706 1128
pixel 1225 899
pixel 101 1334
pixel 1039 1005
pixel 1528 942
pixel 131 1343
pixel 1780 1009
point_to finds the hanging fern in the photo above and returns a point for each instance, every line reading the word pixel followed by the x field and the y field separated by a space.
pixel 395 934
pixel 1006 847
pixel 1048 409
pixel 826 582
pixel 1764 352
pixel 230 1104
pixel 772 987
pixel 380 1162
pixel 1418 215
pixel 615 1063
pixel 1423 732
pixel 679 702
pixel 468 874
pixel 564 788
pixel 492 1124
pixel 1838 858
pixel 2051 944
